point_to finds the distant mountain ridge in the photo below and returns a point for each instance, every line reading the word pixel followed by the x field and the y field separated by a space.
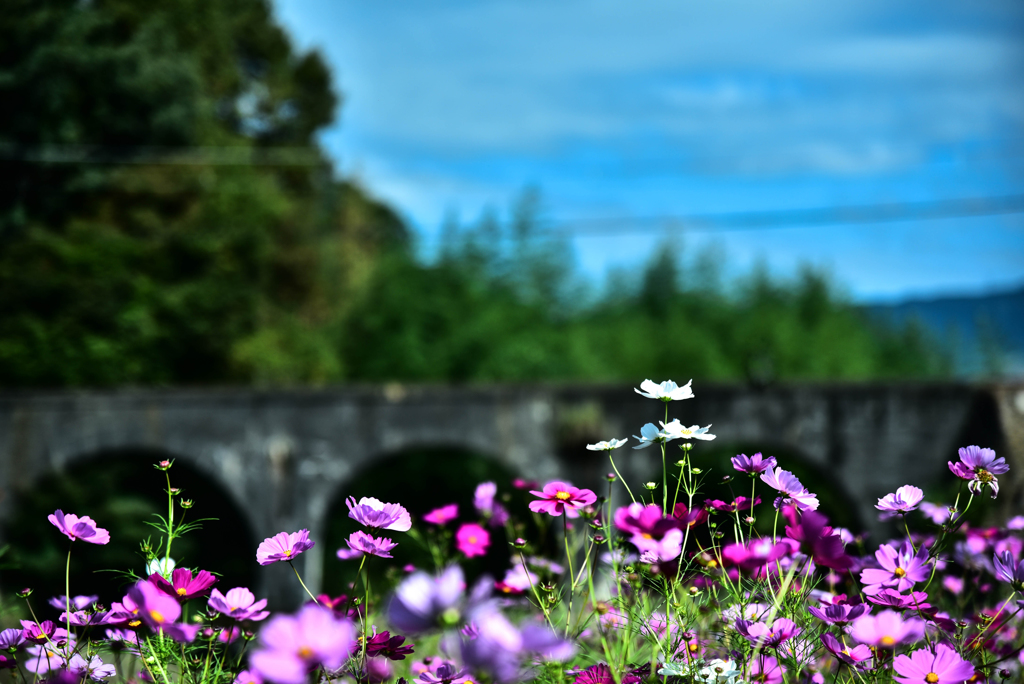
pixel 984 332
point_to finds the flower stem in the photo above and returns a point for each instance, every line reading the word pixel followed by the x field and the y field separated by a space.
pixel 67 594
pixel 572 575
pixel 303 583
pixel 621 479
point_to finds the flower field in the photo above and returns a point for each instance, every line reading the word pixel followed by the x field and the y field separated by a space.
pixel 639 582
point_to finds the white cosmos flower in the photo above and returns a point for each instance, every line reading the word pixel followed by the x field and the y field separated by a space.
pixel 719 671
pixel 650 434
pixel 606 446
pixel 161 566
pixel 675 430
pixel 666 391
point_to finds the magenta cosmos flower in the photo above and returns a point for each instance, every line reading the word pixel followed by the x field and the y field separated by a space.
pixel 472 540
pixel 753 465
pixel 442 515
pixel 293 646
pixel 558 497
pixel 850 656
pixel 768 637
pixel 943 666
pixel 361 543
pixel 484 500
pixel 83 528
pixel 183 585
pixel 375 513
pixel 839 613
pixel 887 630
pixel 787 483
pixel 900 570
pixel 283 547
pixel 160 611
pixel 980 466
pixel 239 603
pixel 907 498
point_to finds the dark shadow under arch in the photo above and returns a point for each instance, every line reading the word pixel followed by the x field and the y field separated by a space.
pixel 121 490
pixel 421 479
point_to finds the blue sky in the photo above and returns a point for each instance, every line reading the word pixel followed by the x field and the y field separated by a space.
pixel 674 108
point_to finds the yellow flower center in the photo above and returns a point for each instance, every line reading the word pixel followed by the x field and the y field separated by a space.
pixel 887 640
pixel 305 652
pixel 135 623
pixel 693 648
pixel 181 591
pixel 899 572
pixel 931 678
pixel 472 539
pixel 646 536
pixel 156 615
pixel 983 475
pixel 288 552
pixel 563 496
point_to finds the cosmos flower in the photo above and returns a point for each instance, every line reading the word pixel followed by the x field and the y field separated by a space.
pixel 77 602
pixel 839 613
pixel 941 666
pixel 160 611
pixel 445 673
pixel 500 649
pixel 915 600
pixel 937 513
pixel 384 645
pixel 753 465
pixel 372 512
pixel 787 483
pixel 887 629
pixel 907 498
pixel 94 668
pixel 485 504
pixel 817 539
pixel 422 602
pixel 560 496
pixel 609 445
pixel 1008 570
pixel 900 570
pixel 768 636
pixel 239 603
pixel 741 503
pixel 442 515
pixel 183 586
pixel 360 543
pixel 291 646
pixel 850 656
pixel 756 553
pixel 283 547
pixel 766 670
pixel 665 391
pixel 980 466
pixel 676 430
pixel 84 528
pixel 472 540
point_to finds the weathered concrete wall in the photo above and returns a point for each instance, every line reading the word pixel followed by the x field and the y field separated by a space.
pixel 283 456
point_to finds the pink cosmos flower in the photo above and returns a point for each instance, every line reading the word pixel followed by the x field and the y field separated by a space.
pixel 486 505
pixel 787 483
pixel 1008 570
pixel 375 513
pixel 756 553
pixel 937 513
pixel 472 540
pixel 752 465
pixel 383 645
pixel 766 670
pixel 183 585
pixel 248 677
pixel 887 630
pixel 517 580
pixel 292 646
pixel 94 668
pixel 943 666
pixel 821 543
pixel 283 547
pixel 360 543
pixel 741 503
pixel 839 613
pixel 907 498
pixel 239 603
pixel 83 528
pixel 77 602
pixel 442 515
pixel 559 497
pixel 845 654
pixel 980 466
pixel 915 600
pixel 768 636
pixel 900 569
pixel 160 611
pixel 41 632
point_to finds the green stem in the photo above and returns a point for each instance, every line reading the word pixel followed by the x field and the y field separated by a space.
pixel 170 519
pixel 304 584
pixel 572 574
pixel 621 479
pixel 67 594
pixel 664 471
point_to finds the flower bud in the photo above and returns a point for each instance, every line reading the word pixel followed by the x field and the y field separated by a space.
pixel 651 485
pixel 599 539
pixel 696 471
pixel 186 503
pixel 164 465
pixel 611 477
pixel 174 491
pixel 685 446
pixel 24 593
pixel 519 543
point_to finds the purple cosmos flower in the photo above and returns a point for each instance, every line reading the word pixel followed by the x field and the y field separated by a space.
pixel 248 677
pixel 422 602
pixel 943 666
pixel 822 544
pixel 980 466
pixel 766 670
pixel 160 611
pixel 753 465
pixel 372 512
pixel 560 496
pixel 907 498
pixel 756 553
pixel 900 569
pixel 472 540
pixel 360 543
pixel 77 602
pixel 741 503
pixel 887 629
pixel 847 655
pixel 183 586
pixel 239 603
pixel 1008 570
pixel 127 636
pixel 283 547
pixel 651 531
pixel 486 505
pixel 839 613
pixel 11 639
pixel 602 674
pixel 41 632
pixel 787 483
pixel 499 648
pixel 384 645
pixel 443 515
pixel 48 657
pixel 83 528
pixel 890 597
pixel 94 668
pixel 937 513
pixel 294 645
pixel 446 673
pixel 81 618
pixel 768 637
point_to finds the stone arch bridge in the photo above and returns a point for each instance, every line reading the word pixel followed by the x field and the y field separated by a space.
pixel 285 455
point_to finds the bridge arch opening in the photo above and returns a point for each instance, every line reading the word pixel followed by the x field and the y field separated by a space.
pixel 121 490
pixel 421 479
